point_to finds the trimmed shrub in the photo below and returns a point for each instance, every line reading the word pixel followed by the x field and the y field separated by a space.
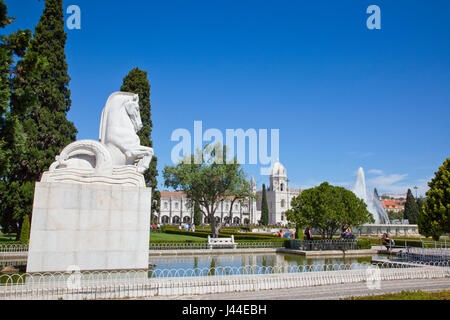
pixel 363 244
pixel 25 232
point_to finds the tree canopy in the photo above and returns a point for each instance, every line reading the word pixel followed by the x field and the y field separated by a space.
pixel 207 180
pixel 434 219
pixel 327 208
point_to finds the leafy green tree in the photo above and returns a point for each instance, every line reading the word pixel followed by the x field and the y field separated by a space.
pixel 327 208
pixel 136 82
pixel 240 191
pixel 205 178
pixel 411 208
pixel 434 219
pixel 399 215
pixel 264 207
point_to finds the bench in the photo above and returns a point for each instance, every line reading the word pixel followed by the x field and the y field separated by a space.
pixel 221 242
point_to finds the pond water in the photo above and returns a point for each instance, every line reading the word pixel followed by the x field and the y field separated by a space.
pixel 226 264
pixel 251 263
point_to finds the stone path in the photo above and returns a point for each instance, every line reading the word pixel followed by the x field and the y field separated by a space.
pixel 330 292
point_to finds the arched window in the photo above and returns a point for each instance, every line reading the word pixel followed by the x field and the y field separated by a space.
pixel 187 219
pixel 282 187
pixel 164 219
pixel 165 205
pixel 176 205
pixel 176 219
pixel 236 220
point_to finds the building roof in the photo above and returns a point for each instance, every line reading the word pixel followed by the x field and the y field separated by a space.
pixel 393 203
pixel 173 194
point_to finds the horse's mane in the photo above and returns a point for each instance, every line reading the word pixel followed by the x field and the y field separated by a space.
pixel 105 113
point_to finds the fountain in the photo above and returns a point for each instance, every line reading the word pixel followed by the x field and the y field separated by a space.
pixel 373 202
pixel 382 223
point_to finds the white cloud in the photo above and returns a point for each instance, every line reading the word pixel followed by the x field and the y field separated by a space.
pixel 375 171
pixel 395 183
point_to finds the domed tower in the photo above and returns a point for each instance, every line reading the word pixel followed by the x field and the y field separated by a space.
pixel 278 177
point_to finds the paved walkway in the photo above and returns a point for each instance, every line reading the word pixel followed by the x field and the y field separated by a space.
pixel 331 292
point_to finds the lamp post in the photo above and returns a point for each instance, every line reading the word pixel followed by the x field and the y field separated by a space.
pixel 415 187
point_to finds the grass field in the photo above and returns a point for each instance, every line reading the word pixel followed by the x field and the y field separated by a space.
pixel 168 236
pixel 408 295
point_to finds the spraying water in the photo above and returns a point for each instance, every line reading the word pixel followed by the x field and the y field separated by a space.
pixel 372 201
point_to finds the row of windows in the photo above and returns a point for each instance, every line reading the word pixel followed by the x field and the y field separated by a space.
pixel 176 205
pixel 186 219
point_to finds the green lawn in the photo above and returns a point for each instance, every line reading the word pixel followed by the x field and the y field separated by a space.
pixel 168 236
pixel 408 295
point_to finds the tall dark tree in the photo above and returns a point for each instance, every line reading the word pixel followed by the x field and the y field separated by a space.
pixel 12 46
pixel 264 207
pixel 198 215
pixel 40 101
pixel 411 208
pixel 136 82
pixel 435 220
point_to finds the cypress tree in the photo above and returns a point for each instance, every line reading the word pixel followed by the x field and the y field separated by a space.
pixel 435 220
pixel 198 215
pixel 264 207
pixel 136 82
pixel 40 101
pixel 25 232
pixel 13 140
pixel 411 208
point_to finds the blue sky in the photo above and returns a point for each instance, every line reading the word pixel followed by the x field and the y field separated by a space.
pixel 342 96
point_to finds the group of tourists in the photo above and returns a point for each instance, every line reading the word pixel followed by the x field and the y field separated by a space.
pixel 287 234
pixel 187 227
pixel 156 228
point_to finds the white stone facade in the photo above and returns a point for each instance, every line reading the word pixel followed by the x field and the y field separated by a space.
pixel 89 227
pixel 175 208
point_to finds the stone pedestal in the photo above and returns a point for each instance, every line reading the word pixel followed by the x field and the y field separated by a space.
pixel 89 227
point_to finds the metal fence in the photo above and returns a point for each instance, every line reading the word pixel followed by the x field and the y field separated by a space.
pixel 425 254
pixel 204 245
pixel 112 285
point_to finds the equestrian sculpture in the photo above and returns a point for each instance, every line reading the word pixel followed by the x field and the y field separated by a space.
pixel 117 158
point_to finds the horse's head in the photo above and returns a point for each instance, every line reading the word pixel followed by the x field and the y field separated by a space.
pixel 133 111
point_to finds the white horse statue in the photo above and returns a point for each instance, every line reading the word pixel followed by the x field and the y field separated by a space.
pixel 118 152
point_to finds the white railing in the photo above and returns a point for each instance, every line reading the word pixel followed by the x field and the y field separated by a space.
pixel 110 285
pixel 13 248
